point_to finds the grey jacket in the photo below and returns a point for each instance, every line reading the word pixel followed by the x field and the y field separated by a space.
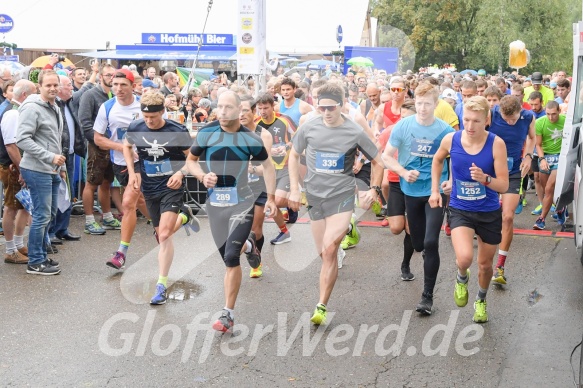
pixel 40 128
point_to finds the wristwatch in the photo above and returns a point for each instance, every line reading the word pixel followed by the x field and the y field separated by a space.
pixel 488 180
pixel 529 154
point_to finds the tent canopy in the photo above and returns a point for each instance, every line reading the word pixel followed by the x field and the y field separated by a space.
pixel 160 53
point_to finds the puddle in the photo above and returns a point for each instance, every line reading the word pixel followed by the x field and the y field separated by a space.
pixel 534 297
pixel 141 293
pixel 181 290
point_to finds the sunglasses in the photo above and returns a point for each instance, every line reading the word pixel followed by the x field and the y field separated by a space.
pixel 329 108
pixel 397 90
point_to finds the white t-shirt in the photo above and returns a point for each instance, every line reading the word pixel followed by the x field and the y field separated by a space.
pixel 9 125
pixel 120 118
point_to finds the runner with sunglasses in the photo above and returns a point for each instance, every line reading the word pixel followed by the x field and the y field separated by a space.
pixel 331 142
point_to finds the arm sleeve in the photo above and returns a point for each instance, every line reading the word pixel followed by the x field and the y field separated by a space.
pixel 9 125
pixel 27 126
pixel 100 125
pixel 366 146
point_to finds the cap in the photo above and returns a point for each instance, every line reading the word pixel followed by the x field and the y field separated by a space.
pixel 512 77
pixel 147 83
pixel 537 78
pixel 448 93
pixel 553 84
pixel 125 73
pixel 481 72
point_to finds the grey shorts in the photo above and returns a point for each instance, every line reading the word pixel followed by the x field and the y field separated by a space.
pixel 320 208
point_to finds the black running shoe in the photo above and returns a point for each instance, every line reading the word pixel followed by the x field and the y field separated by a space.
pixel 253 257
pixel 425 306
pixel 406 274
pixel 44 269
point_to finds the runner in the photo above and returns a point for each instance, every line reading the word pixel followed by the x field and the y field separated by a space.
pixel 493 96
pixel 514 125
pixel 162 146
pixel 479 173
pixel 330 142
pixel 281 129
pixel 549 137
pixel 256 181
pixel 227 147
pixel 290 105
pixel 416 138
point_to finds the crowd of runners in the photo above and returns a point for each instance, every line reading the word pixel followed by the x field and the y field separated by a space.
pixel 425 152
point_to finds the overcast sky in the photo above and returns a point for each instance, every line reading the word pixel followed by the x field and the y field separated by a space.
pixel 292 26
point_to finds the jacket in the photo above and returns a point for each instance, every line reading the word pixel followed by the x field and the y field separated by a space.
pixel 88 109
pixel 40 131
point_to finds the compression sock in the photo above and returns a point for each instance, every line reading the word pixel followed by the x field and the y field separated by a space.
pixel 260 243
pixel 501 258
pixel 283 228
pixel 408 251
pixel 123 247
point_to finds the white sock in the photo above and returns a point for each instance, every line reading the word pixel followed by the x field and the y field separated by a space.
pixel 248 246
pixel 231 312
pixel 503 253
pixel 10 246
pixel 19 241
pixel 89 219
pixel 108 216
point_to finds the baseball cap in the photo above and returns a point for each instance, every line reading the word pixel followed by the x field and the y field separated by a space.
pixel 553 84
pixel 125 73
pixel 481 72
pixel 448 93
pixel 537 78
pixel 147 83
pixel 512 77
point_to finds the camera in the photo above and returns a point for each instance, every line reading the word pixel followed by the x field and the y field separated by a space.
pixel 61 57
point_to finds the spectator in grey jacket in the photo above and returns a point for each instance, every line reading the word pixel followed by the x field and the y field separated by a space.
pixel 40 128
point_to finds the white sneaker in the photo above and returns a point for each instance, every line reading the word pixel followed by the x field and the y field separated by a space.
pixel 340 256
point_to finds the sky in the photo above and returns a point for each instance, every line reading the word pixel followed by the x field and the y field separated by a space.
pixel 292 26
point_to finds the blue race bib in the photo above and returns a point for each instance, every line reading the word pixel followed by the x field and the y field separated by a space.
pixel 470 191
pixel 552 159
pixel 158 168
pixel 223 196
pixel 329 162
pixel 423 148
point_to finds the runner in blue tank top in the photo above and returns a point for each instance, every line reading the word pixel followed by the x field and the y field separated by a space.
pixel 515 126
pixel 290 105
pixel 479 173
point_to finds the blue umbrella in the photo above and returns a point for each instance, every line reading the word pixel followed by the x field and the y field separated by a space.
pixel 317 64
pixel 469 71
pixel 13 66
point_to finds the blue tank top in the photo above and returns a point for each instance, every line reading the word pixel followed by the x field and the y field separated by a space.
pixel 466 193
pixel 513 135
pixel 293 112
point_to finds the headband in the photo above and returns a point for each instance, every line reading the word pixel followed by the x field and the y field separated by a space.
pixel 152 108
pixel 329 96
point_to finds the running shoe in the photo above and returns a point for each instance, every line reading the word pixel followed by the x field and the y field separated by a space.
pixel 292 216
pixel 43 269
pixel 447 229
pixel 192 222
pixel 539 224
pixel 94 228
pixel 117 261
pixel 537 210
pixel 53 263
pixel 256 272
pixel 553 208
pixel 160 295
pixel 281 238
pixel 561 217
pixel 385 222
pixel 111 225
pixel 518 208
pixel 224 323
pixel 353 238
pixel 524 202
pixel 377 209
pixel 480 313
pixel 406 274
pixel 499 277
pixel 254 256
pixel 340 256
pixel 460 293
pixel 425 306
pixel 319 317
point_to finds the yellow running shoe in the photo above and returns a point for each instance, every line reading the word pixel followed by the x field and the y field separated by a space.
pixel 498 276
pixel 353 238
pixel 256 272
pixel 319 317
pixel 480 313
pixel 460 293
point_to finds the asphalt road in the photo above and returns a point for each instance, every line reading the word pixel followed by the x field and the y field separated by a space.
pixel 92 326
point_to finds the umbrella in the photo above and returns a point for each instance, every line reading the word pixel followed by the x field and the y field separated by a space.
pixel 44 60
pixel 199 75
pixel 469 71
pixel 360 61
pixel 317 64
pixel 13 66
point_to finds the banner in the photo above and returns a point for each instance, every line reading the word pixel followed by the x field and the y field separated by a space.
pixel 251 48
pixel 174 38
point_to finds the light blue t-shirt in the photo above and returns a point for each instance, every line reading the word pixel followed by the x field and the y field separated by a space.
pixel 417 144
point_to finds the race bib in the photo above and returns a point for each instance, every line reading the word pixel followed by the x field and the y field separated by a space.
pixel 329 162
pixel 158 168
pixel 510 161
pixel 121 133
pixel 423 148
pixel 223 196
pixel 470 191
pixel 252 178
pixel 552 159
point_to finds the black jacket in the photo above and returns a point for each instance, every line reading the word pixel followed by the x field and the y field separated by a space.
pixel 79 145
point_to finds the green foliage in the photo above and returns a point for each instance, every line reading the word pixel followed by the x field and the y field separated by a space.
pixel 477 33
pixel 33 75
